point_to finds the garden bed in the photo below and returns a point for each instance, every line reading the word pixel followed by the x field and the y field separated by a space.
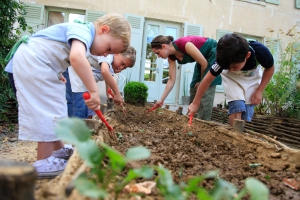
pixel 204 147
pixel 186 152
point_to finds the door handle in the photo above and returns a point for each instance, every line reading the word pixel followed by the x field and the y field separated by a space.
pixel 157 70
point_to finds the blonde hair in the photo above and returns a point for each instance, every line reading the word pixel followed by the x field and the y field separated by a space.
pixel 130 53
pixel 118 27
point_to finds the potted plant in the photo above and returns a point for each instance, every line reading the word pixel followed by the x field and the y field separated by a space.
pixel 185 97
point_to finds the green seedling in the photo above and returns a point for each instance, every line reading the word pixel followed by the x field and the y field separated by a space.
pixel 254 165
pixel 180 173
pixel 142 130
pixel 95 184
pixel 190 134
pixel 267 177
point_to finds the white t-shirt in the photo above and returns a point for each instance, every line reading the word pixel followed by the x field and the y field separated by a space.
pixel 95 61
pixel 64 33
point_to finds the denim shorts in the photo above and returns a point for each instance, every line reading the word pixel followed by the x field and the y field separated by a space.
pixel 75 101
pixel 237 106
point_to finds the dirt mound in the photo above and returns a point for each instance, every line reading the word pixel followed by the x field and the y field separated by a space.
pixel 207 146
pixel 191 151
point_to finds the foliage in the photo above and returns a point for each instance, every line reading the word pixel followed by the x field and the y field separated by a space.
pixel 136 92
pixel 281 96
pixel 95 184
pixel 11 12
pixel 107 168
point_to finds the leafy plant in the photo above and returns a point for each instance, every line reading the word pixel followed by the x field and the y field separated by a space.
pixel 136 92
pixel 107 168
pixel 12 12
pixel 281 96
pixel 95 184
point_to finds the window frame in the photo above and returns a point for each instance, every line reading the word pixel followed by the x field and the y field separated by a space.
pixel 67 11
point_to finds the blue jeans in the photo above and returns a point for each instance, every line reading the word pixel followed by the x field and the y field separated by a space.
pixel 12 83
pixel 237 106
pixel 75 101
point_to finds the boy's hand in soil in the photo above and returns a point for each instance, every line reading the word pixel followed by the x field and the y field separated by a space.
pixel 118 99
pixel 94 102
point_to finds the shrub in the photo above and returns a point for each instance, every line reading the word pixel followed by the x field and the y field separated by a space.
pixel 12 12
pixel 136 93
pixel 281 96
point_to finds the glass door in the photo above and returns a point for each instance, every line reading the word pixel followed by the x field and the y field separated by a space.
pixel 155 71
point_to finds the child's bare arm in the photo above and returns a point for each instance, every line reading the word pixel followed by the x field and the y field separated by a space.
pixel 109 80
pixel 203 86
pixel 82 67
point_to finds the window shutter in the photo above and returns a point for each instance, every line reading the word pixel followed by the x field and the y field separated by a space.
pixel 221 33
pixel 193 29
pixel 91 15
pixel 273 1
pixel 34 17
pixel 297 3
pixel 273 46
pixel 137 27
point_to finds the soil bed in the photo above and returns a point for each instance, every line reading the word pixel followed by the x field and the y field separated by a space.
pixel 192 151
pixel 211 146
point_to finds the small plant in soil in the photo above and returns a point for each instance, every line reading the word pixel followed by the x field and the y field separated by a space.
pixel 135 93
pixel 106 163
pixel 108 177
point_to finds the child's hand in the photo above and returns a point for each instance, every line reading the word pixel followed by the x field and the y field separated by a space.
pixel 193 108
pixel 256 98
pixel 159 103
pixel 118 99
pixel 63 79
pixel 94 102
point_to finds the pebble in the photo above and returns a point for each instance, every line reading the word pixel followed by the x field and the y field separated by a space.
pixel 275 155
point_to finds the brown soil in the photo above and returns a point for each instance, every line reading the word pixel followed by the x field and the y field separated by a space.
pixel 193 150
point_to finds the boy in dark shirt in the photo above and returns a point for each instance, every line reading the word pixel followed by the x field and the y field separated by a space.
pixel 239 64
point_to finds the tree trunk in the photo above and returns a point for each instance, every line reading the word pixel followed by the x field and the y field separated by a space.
pixel 17 180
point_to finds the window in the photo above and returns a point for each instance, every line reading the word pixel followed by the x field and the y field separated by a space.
pixel 59 15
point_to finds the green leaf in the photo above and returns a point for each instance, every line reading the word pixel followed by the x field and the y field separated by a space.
pixel 203 194
pixel 89 152
pixel 72 130
pixel 211 174
pixel 223 190
pixel 137 153
pixel 117 161
pixel 89 188
pixel 257 190
pixel 192 185
pixel 144 172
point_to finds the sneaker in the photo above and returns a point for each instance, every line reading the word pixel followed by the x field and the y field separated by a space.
pixel 65 152
pixel 49 167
